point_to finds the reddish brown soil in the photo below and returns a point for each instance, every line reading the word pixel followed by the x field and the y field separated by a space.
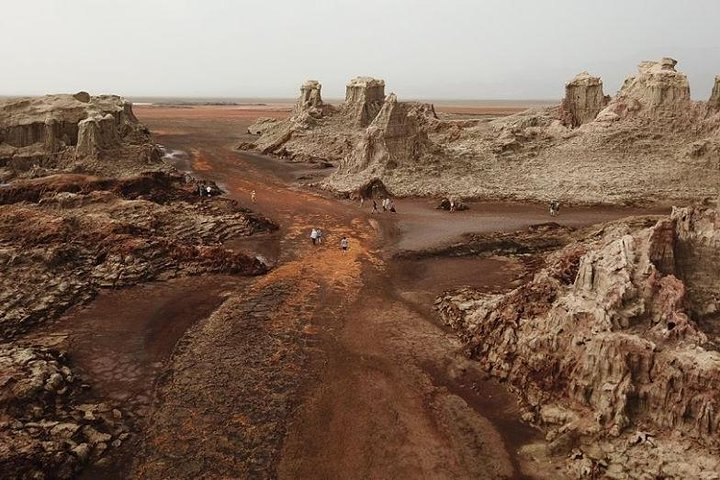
pixel 332 365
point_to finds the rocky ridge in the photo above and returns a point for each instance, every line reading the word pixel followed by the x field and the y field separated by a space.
pixel 613 346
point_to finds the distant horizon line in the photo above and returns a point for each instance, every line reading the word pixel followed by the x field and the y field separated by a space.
pixel 279 99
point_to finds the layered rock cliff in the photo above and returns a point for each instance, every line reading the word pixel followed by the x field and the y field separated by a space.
pixel 618 329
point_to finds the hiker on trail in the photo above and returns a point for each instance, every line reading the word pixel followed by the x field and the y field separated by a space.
pixel 252 196
pixel 554 208
pixel 375 209
pixel 452 206
pixel 319 236
pixel 201 189
pixel 314 236
pixel 209 191
pixel 391 206
pixel 385 203
pixel 344 244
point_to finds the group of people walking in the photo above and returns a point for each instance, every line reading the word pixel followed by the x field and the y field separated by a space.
pixel 317 236
pixel 387 204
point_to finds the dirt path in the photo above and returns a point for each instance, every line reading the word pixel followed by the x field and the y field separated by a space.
pixel 330 366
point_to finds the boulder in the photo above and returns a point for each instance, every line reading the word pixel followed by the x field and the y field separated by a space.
pixel 584 99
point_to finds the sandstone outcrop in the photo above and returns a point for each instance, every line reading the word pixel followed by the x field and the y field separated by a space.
pixel 584 99
pixel 618 329
pixel 66 132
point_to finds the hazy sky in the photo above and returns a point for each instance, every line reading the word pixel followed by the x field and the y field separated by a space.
pixel 422 48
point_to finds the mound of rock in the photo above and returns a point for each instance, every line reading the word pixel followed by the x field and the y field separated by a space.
pixel 73 133
pixel 618 332
pixel 47 428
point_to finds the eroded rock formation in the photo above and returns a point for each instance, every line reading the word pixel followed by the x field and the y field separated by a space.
pixel 61 132
pixel 657 84
pixel 368 129
pixel 618 328
pixel 364 97
pixel 584 98
pixel 395 137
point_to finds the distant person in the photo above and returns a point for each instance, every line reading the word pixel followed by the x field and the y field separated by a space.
pixel 385 204
pixel 374 209
pixel 209 190
pixel 554 208
pixel 252 196
pixel 344 244
pixel 314 236
pixel 362 201
pixel 452 206
pixel 391 206
pixel 319 236
pixel 201 189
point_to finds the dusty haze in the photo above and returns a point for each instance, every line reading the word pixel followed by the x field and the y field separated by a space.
pixel 426 49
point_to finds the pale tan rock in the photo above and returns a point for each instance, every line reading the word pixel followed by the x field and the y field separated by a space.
pixel 364 97
pixel 310 96
pixel 584 99
pixel 657 84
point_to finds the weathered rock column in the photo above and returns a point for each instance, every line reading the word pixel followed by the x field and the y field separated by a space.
pixel 309 96
pixel 584 98
pixel 364 97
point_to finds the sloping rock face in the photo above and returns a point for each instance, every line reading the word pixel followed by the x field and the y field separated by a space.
pixel 65 132
pixel 584 98
pixel 607 331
